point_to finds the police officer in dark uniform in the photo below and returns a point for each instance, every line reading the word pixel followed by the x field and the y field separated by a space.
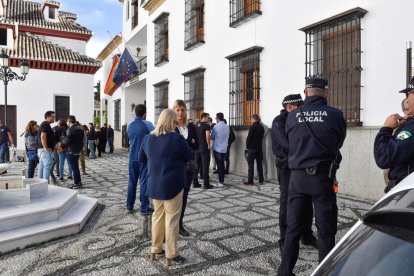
pixel 280 150
pixel 315 133
pixel 396 151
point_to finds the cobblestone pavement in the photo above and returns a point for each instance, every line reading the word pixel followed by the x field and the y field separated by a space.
pixel 234 232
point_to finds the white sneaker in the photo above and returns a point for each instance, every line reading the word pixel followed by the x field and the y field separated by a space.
pixel 219 185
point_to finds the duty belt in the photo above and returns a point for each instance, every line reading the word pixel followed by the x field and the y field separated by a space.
pixel 316 170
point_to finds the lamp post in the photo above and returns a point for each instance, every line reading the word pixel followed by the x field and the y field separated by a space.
pixel 6 75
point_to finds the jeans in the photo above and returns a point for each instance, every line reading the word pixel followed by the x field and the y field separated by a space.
pixel 4 148
pixel 220 157
pixel 138 170
pixel 73 160
pixel 111 144
pixel 62 157
pixel 258 156
pixel 45 163
pixel 31 167
pixel 91 148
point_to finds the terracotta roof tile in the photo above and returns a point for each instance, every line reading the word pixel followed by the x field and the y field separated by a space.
pixel 28 13
pixel 33 47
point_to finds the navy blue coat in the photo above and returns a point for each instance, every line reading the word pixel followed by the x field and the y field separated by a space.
pixel 280 144
pixel 396 152
pixel 192 134
pixel 166 156
pixel 328 125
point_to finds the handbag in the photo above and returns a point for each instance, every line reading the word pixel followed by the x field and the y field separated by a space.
pixel 59 147
pixel 192 166
pixel 32 155
pixel 96 142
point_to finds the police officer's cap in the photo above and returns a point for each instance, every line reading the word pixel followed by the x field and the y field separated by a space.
pixel 292 99
pixel 410 87
pixel 316 81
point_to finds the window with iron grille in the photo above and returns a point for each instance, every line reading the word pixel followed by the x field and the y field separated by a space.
pixel 333 49
pixel 243 10
pixel 62 107
pixel 194 23
pixel 161 98
pixel 127 10
pixel 194 92
pixel 134 19
pixel 117 115
pixel 3 36
pixel 161 39
pixel 244 96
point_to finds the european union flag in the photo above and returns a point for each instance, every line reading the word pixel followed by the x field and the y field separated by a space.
pixel 126 68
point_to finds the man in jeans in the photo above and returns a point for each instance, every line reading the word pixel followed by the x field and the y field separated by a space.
pixel 220 135
pixel 46 143
pixel 91 139
pixel 5 138
pixel 137 129
pixel 73 143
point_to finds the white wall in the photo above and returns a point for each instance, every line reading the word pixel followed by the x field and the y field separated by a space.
pixel 35 96
pixel 75 45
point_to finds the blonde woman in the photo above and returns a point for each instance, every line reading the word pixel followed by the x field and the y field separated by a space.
pixel 189 132
pixel 166 154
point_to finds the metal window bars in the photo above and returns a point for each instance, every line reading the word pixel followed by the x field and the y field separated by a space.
pixel 243 10
pixel 194 92
pixel 194 23
pixel 160 98
pixel 161 39
pixel 333 49
pixel 244 96
pixel 117 115
pixel 62 107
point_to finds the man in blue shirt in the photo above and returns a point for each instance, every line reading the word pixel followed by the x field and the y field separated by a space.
pixel 137 129
pixel 220 135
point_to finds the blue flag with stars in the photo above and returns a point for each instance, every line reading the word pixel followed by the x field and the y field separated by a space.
pixel 126 68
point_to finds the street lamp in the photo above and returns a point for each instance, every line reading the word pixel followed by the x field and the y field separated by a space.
pixel 6 75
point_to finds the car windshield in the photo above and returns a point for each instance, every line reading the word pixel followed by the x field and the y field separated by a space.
pixel 373 250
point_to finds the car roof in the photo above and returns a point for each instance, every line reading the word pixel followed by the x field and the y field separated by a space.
pixel 399 200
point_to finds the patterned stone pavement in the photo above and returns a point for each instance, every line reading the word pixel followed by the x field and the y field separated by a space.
pixel 234 232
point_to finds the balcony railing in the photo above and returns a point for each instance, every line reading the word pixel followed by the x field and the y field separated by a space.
pixel 142 65
pixel 134 21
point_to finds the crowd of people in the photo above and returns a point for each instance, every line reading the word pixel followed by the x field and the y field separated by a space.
pixel 48 148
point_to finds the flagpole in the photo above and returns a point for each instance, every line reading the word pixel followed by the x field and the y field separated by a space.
pixel 112 38
pixel 126 46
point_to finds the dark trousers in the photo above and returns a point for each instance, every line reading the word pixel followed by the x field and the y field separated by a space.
pixel 111 145
pixel 205 166
pixel 74 163
pixel 227 160
pixel 103 145
pixel 56 162
pixel 303 190
pixel 258 156
pixel 283 177
pixel 220 157
pixel 31 168
pixel 198 161
pixel 187 187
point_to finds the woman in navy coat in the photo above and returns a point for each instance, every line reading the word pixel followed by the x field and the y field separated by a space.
pixel 166 154
pixel 189 132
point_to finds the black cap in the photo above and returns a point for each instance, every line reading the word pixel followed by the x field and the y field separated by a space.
pixel 316 81
pixel 292 99
pixel 409 87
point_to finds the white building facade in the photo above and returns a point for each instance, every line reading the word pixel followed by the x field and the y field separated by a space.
pixel 242 57
pixel 60 76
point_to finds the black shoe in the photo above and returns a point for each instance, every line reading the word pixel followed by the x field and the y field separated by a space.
pixel 281 248
pixel 76 186
pixel 3 172
pixel 61 178
pixel 129 210
pixel 215 172
pixel 70 177
pixel 84 173
pixel 196 185
pixel 310 241
pixel 184 232
pixel 179 259
pixel 248 183
pixel 226 172
pixel 208 186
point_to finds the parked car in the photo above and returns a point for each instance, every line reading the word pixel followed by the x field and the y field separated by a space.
pixel 381 242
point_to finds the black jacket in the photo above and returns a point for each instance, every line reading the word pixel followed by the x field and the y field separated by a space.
pixel 110 133
pixel 255 137
pixel 329 127
pixel 232 136
pixel 91 134
pixel 192 134
pixel 73 142
pixel 396 151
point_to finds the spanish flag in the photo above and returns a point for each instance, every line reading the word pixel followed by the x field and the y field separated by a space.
pixel 110 86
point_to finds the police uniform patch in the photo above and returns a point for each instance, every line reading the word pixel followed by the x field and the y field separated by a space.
pixel 404 135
